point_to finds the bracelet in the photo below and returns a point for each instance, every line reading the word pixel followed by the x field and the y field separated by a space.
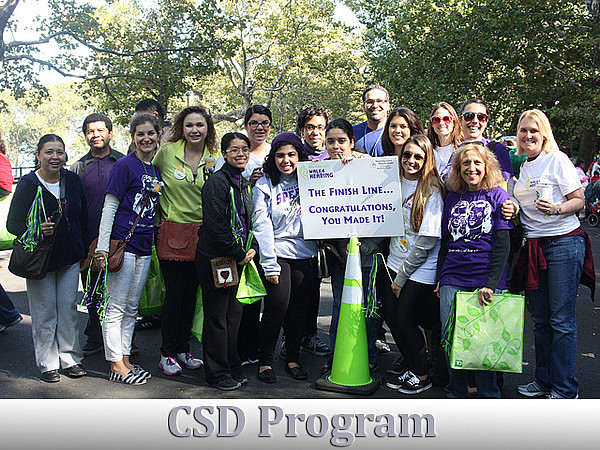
pixel 558 210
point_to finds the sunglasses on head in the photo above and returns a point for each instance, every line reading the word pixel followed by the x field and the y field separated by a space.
pixel 436 120
pixel 468 116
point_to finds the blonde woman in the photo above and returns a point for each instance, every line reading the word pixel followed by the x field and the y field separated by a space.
pixel 553 232
pixel 475 245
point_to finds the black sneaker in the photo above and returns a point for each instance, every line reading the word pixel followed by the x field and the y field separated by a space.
pixel 315 345
pixel 228 384
pixel 395 381
pixel 399 366
pixel 414 385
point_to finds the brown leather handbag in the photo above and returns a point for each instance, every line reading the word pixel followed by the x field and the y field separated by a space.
pixel 116 249
pixel 177 241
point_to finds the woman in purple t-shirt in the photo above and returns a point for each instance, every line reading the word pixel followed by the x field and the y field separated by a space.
pixel 475 245
pixel 133 187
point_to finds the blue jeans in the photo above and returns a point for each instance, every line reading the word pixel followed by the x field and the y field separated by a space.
pixel 485 380
pixel 8 312
pixel 373 323
pixel 552 308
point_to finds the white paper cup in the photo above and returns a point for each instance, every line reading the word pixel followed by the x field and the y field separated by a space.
pixel 543 191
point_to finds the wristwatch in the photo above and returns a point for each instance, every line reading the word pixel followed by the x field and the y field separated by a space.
pixel 558 210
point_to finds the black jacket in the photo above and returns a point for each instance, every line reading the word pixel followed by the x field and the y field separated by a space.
pixel 215 237
pixel 71 230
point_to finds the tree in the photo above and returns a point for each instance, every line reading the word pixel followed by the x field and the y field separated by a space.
pixel 514 54
pixel 142 50
pixel 289 53
pixel 60 112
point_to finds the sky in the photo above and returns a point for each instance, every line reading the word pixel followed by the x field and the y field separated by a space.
pixel 28 10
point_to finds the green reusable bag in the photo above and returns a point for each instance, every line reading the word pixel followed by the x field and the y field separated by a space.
pixel 153 296
pixel 250 288
pixel 6 239
pixel 488 337
pixel 198 321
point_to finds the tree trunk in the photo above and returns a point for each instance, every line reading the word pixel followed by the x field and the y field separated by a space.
pixel 587 145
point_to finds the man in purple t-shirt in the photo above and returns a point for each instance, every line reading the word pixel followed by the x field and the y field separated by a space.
pixel 93 168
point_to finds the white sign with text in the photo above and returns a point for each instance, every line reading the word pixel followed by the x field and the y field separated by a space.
pixel 361 198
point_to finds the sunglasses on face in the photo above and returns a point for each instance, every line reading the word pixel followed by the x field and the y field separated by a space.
pixel 468 116
pixel 406 155
pixel 436 120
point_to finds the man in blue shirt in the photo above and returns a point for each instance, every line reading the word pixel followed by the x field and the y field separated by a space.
pixel 367 135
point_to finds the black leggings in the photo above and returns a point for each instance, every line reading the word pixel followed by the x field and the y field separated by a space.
pixel 287 302
pixel 417 305
pixel 181 283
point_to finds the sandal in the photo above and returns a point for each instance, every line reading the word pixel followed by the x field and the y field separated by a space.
pixel 130 378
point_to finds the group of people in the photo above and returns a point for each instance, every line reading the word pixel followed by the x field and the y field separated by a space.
pixel 199 206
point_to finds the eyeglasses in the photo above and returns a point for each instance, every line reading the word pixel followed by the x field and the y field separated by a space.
pixel 311 127
pixel 235 151
pixel 407 155
pixel 468 116
pixel 436 120
pixel 256 123
pixel 371 102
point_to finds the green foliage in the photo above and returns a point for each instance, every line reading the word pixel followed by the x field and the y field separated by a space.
pixel 514 54
pixel 60 112
pixel 144 50
pixel 289 54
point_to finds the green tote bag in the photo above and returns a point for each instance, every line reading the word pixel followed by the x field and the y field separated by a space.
pixel 488 337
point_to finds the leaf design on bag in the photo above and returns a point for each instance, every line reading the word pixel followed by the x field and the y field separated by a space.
pixel 506 335
pixel 462 319
pixel 472 311
pixel 466 344
pixel 477 326
pixel 511 351
pixel 504 366
pixel 494 315
pixel 487 364
pixel 497 348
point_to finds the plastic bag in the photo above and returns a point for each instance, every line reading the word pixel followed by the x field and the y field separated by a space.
pixel 488 337
pixel 153 296
pixel 6 238
pixel 198 321
pixel 250 288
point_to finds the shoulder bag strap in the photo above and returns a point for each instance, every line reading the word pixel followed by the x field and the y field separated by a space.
pixel 137 219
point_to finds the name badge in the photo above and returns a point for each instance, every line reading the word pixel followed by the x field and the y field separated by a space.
pixel 179 173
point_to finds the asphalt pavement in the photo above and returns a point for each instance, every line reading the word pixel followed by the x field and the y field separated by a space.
pixel 19 377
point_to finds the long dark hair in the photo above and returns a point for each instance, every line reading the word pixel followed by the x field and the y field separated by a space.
pixel 414 124
pixel 269 167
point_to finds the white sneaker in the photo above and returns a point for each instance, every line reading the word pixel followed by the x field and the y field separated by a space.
pixel 189 360
pixel 169 366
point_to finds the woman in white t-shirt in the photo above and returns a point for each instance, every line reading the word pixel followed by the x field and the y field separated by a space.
pixel 556 239
pixel 410 299
pixel 445 134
